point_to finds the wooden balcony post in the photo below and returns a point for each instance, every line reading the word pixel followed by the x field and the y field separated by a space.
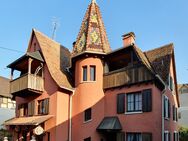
pixel 29 65
pixel 12 73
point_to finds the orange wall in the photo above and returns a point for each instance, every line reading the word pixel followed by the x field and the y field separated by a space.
pixel 140 122
pixel 58 105
pixel 87 94
pixel 171 125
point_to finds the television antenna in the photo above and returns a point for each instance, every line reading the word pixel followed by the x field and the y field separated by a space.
pixel 55 25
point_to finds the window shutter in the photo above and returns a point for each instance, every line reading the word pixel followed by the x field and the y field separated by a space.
pixel 146 137
pixel 46 106
pixel 120 103
pixel 169 137
pixel 164 108
pixel 21 110
pixel 147 100
pixel 31 108
pixel 169 109
pixel 171 83
pixel 174 136
pixel 121 136
pixel 174 112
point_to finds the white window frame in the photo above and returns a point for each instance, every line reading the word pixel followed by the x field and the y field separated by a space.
pixel 166 136
pixel 166 104
pixel 177 136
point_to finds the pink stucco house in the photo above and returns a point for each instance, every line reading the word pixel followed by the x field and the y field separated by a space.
pixel 93 93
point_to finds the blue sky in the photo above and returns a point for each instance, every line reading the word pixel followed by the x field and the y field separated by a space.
pixel 155 23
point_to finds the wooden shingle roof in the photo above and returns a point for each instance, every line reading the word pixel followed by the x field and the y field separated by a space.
pixel 160 60
pixel 57 59
pixel 5 87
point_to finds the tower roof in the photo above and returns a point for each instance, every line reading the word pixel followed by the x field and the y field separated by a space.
pixel 92 36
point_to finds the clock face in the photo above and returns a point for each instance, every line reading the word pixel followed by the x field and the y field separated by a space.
pixel 38 130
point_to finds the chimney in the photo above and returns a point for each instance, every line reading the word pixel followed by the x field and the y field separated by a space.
pixel 128 39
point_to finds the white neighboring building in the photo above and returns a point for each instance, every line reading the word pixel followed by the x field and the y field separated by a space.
pixel 183 109
pixel 7 106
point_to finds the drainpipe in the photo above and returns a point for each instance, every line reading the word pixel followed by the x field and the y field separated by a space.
pixel 163 92
pixel 162 105
pixel 70 112
pixel 70 115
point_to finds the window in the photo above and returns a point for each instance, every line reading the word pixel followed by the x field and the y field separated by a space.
pixel 7 103
pixel 171 83
pixel 3 102
pixel 166 136
pixel 85 73
pixel 175 114
pixel 87 115
pixel 23 109
pixel 139 137
pixel 92 73
pixel 134 102
pixel 166 107
pixel 134 137
pixel 43 106
pixel 87 139
pixel 176 136
pixel 184 90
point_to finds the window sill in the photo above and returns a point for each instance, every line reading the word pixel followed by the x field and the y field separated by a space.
pixel 87 121
pixel 88 81
pixel 130 113
pixel 166 118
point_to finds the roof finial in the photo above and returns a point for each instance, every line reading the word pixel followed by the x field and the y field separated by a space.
pixel 93 1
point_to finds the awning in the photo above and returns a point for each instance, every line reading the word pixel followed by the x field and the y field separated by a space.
pixel 110 124
pixel 35 120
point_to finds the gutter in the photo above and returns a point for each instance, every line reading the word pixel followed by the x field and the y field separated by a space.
pixel 162 106
pixel 158 76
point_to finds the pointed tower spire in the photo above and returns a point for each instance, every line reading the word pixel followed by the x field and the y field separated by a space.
pixel 93 1
pixel 92 36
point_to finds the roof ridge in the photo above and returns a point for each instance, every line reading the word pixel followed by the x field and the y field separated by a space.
pixel 46 36
pixel 164 46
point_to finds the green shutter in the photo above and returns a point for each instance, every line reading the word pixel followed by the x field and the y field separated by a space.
pixel 169 109
pixel 147 100
pixel 47 106
pixel 146 137
pixel 121 103
pixel 174 112
pixel 120 136
pixel 171 84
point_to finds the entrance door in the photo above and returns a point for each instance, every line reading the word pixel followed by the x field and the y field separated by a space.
pixel 111 137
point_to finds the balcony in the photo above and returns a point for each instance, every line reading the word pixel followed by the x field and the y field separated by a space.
pixel 28 82
pixel 126 76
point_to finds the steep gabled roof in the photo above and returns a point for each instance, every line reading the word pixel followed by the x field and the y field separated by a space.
pixel 5 87
pixel 160 60
pixel 57 59
pixel 92 36
pixel 143 58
